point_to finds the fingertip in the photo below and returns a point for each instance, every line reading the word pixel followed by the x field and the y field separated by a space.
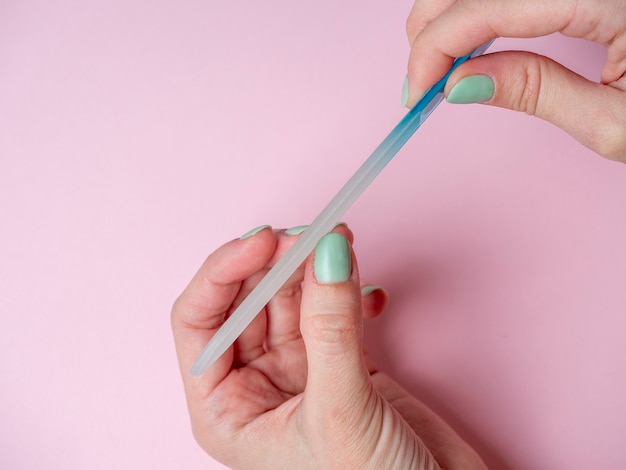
pixel 404 96
pixel 332 262
pixel 228 265
pixel 426 66
pixel 254 231
pixel 471 89
pixel 340 227
pixel 343 229
pixel 297 230
pixel 374 300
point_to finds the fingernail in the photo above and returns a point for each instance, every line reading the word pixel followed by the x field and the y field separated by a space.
pixel 405 91
pixel 296 230
pixel 333 259
pixel 367 290
pixel 472 89
pixel 254 231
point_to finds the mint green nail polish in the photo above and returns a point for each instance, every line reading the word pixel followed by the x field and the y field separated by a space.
pixel 472 89
pixel 254 231
pixel 405 91
pixel 296 230
pixel 367 290
pixel 333 259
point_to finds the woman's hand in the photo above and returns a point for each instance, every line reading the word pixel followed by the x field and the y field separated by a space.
pixel 593 113
pixel 297 389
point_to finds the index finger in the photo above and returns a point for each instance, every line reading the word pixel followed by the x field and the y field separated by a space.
pixel 202 307
pixel 422 13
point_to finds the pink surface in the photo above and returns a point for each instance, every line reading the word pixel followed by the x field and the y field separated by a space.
pixel 136 137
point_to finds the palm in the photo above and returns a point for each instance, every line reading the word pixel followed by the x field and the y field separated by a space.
pixel 277 378
pixel 269 364
pixel 266 382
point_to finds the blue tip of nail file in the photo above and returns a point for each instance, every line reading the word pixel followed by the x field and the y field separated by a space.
pixel 325 221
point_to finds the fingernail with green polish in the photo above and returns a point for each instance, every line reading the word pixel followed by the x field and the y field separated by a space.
pixel 472 89
pixel 333 259
pixel 367 290
pixel 296 230
pixel 405 91
pixel 254 231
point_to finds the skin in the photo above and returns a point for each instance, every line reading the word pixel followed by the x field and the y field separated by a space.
pixel 298 390
pixel 593 113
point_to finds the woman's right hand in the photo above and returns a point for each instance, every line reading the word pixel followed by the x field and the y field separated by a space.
pixel 297 389
pixel 593 113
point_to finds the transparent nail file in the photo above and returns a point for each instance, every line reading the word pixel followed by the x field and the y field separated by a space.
pixel 325 221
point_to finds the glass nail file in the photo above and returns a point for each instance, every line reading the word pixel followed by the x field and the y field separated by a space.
pixel 325 221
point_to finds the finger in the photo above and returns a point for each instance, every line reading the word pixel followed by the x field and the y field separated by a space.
pixel 202 307
pixel 332 329
pixel 593 113
pixel 374 300
pixel 470 23
pixel 422 13
pixel 615 66
pixel 278 322
pixel 284 308
pixel 284 313
pixel 250 344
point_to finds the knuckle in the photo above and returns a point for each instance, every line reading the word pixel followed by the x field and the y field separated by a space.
pixel 411 28
pixel 475 8
pixel 332 328
pixel 175 312
pixel 530 88
pixel 415 21
pixel 187 314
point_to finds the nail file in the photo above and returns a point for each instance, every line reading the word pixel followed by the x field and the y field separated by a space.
pixel 325 221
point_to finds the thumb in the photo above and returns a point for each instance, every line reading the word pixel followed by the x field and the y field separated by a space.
pixel 593 113
pixel 332 328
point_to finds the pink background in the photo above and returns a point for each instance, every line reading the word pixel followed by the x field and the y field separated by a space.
pixel 138 136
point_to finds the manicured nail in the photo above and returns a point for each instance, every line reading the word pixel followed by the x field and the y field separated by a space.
pixel 333 259
pixel 296 230
pixel 367 290
pixel 405 91
pixel 254 231
pixel 472 89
